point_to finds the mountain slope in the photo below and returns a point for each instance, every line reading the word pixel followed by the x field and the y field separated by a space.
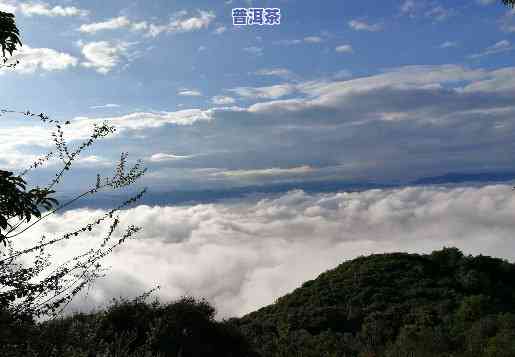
pixel 394 305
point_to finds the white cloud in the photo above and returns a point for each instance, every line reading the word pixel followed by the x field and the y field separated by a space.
pixel 313 39
pixel 8 6
pixel 104 56
pixel 220 30
pixel 499 47
pixel 189 93
pixel 160 157
pixel 363 26
pixel 44 9
pixel 439 13
pixel 106 106
pixel 454 117
pixel 242 256
pixel 222 100
pixel 141 120
pixel 486 2
pixel 277 72
pixel 431 10
pixel 93 161
pixel 508 21
pixel 344 49
pixel 287 42
pixel 254 50
pixel 269 92
pixel 139 26
pixel 111 24
pixel 259 173
pixel 41 59
pixel 408 7
pixel 496 81
pixel 307 39
pixel 182 22
pixel 449 44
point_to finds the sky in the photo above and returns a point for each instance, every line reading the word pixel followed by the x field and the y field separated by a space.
pixel 346 91
pixel 339 92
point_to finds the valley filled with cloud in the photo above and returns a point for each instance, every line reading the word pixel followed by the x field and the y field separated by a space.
pixel 243 255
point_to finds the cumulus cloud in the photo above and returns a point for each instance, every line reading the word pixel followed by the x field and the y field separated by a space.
pixel 104 56
pixel 180 22
pixel 44 9
pixel 359 25
pixel 41 59
pixel 111 24
pixel 242 256
pixel 183 22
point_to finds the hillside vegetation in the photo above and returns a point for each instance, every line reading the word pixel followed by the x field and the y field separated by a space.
pixel 442 304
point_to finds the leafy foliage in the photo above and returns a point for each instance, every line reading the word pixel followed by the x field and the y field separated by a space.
pixel 443 304
pixel 9 35
pixel 183 328
pixel 15 201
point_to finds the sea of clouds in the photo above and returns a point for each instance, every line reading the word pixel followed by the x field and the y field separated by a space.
pixel 243 255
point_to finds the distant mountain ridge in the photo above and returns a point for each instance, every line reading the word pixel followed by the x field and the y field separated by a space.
pixel 184 197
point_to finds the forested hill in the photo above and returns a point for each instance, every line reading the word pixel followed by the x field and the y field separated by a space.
pixel 440 304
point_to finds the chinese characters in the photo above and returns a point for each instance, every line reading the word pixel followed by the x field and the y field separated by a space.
pixel 256 16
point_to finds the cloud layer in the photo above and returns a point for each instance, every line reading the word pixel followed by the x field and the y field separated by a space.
pixel 432 119
pixel 242 256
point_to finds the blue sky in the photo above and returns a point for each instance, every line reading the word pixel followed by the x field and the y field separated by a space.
pixel 378 91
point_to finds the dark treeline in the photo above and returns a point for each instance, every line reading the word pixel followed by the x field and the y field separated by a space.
pixel 442 304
